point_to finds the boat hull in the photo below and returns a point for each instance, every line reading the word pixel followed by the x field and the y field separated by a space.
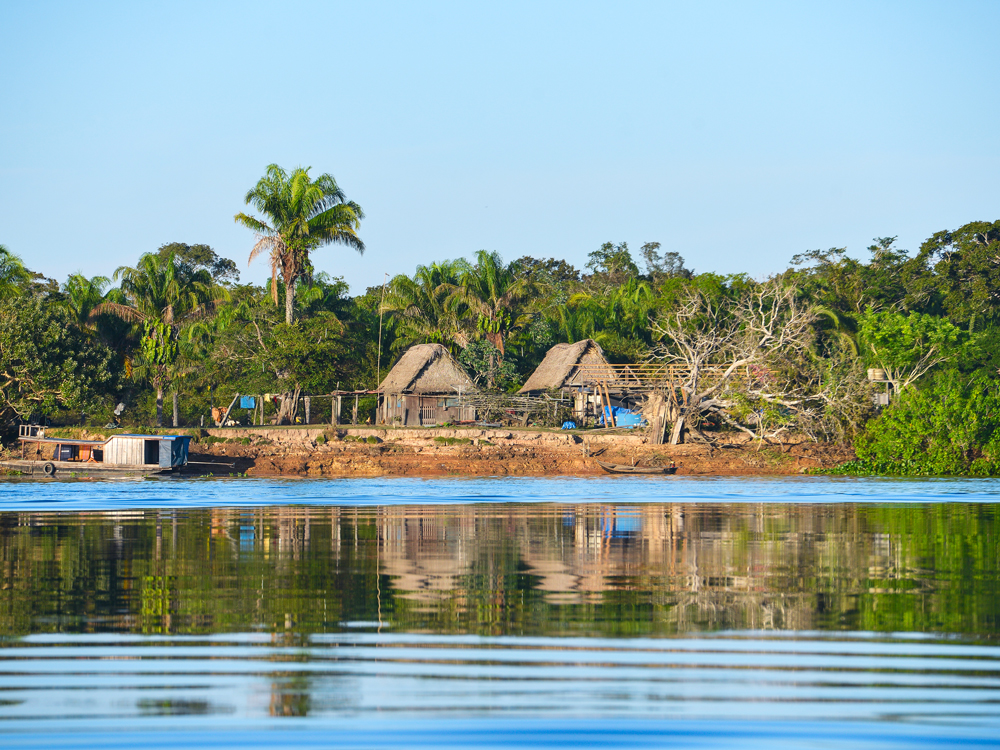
pixel 626 469
pixel 79 469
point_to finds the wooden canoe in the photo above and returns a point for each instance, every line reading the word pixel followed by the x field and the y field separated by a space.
pixel 627 469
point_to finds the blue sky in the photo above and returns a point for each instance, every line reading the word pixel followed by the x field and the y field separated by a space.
pixel 737 134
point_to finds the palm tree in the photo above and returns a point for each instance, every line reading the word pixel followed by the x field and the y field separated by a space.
pixel 575 322
pixel 421 305
pixel 13 274
pixel 162 297
pixel 496 293
pixel 82 296
pixel 301 215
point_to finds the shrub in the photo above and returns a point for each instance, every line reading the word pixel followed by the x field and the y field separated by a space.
pixel 452 441
pixel 949 427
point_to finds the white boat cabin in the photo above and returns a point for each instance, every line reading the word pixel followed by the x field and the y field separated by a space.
pixel 162 451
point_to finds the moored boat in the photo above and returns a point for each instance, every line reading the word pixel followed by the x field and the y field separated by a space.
pixel 629 469
pixel 119 455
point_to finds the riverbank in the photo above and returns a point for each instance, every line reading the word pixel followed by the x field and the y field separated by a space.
pixel 375 452
pixel 322 451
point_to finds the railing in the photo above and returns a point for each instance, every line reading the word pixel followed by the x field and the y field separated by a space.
pixel 646 376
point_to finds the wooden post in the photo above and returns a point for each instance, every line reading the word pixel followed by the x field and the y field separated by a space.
pixel 307 409
pixel 340 405
pixel 354 412
pixel 177 421
pixel 225 417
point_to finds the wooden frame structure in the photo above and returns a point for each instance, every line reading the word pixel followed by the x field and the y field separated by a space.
pixel 647 377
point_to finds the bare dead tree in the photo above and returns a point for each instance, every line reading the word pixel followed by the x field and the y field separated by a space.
pixel 721 342
pixel 842 396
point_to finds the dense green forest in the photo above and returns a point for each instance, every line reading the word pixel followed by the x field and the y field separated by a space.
pixel 796 348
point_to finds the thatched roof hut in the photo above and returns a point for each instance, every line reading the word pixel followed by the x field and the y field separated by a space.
pixel 560 368
pixel 425 388
pixel 427 369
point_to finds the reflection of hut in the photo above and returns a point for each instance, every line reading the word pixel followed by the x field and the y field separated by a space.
pixel 424 388
pixel 561 369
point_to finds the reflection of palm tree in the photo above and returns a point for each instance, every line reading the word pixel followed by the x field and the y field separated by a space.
pixel 421 305
pixel 302 215
pixel 496 293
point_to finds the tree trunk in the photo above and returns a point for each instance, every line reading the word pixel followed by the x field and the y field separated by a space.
pixel 289 407
pixel 177 421
pixel 159 406
pixel 289 300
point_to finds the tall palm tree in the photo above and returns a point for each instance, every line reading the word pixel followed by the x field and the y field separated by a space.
pixel 497 293
pixel 300 215
pixel 161 297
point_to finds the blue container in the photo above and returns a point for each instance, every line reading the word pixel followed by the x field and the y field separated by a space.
pixel 624 418
pixel 629 419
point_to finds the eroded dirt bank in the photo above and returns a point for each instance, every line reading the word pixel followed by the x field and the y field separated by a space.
pixel 371 452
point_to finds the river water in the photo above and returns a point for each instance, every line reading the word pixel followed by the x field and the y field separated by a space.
pixel 500 613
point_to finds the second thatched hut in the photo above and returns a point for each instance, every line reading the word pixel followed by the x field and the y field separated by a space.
pixel 567 367
pixel 572 370
pixel 425 388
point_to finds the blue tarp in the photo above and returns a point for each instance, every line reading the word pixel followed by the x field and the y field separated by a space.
pixel 623 417
pixel 568 425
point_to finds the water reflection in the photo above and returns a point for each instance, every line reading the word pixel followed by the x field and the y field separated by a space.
pixel 597 570
pixel 601 617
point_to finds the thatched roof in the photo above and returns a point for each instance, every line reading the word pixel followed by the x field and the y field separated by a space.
pixel 427 369
pixel 559 368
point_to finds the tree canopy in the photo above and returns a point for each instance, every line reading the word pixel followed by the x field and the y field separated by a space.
pixel 801 342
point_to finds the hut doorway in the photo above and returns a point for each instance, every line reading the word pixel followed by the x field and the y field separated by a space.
pixel 151 452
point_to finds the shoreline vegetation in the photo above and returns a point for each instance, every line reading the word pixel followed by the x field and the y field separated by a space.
pixel 887 366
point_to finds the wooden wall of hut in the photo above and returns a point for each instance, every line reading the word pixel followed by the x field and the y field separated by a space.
pixel 422 411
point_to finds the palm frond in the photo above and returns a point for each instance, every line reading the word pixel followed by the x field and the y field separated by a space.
pixel 125 312
pixel 252 223
pixel 273 243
